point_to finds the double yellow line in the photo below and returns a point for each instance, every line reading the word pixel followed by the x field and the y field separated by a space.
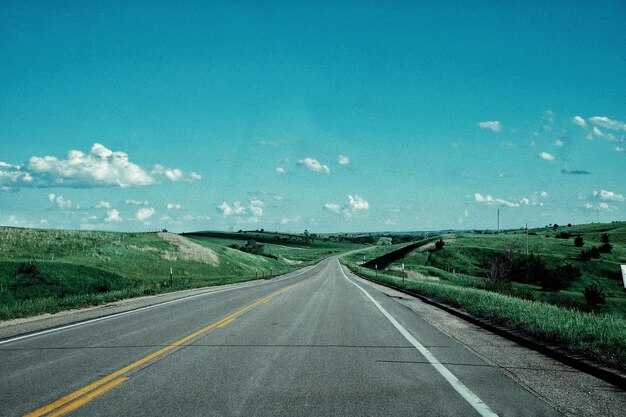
pixel 84 395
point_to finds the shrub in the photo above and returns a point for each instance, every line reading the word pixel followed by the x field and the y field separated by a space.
pixel 253 247
pixel 586 255
pixel 579 242
pixel 439 244
pixel 559 279
pixel 594 295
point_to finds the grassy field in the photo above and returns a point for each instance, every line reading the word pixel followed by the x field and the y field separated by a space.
pixel 45 271
pixel 600 337
pixel 464 261
pixel 458 274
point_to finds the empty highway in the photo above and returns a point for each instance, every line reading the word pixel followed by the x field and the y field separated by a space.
pixel 316 342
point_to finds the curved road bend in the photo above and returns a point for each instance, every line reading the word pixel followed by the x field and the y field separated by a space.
pixel 317 343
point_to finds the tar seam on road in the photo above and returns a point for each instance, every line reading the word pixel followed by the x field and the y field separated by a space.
pixel 90 392
pixel 137 310
pixel 473 400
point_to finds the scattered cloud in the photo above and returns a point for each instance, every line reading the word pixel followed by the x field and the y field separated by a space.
pixel 333 208
pixel 491 201
pixel 293 220
pixel 600 206
pixel 254 209
pixel 59 201
pixel 100 167
pixel 546 156
pixel 559 142
pixel 136 203
pixel 619 149
pixel 355 204
pixel 104 205
pixel 174 206
pixel 112 216
pixel 144 213
pixel 544 194
pixel 280 170
pixel 608 195
pixel 314 165
pixel 344 160
pixel 494 126
pixel 575 172
pixel 597 132
pixel 607 123
pixel 579 121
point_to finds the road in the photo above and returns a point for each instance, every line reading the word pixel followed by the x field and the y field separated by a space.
pixel 318 342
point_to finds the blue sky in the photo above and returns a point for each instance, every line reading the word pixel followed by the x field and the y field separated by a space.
pixel 333 116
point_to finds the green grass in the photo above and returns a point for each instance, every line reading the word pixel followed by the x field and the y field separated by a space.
pixel 45 271
pixel 600 337
pixel 463 261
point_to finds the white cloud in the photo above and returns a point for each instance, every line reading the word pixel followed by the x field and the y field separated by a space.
pixel 100 167
pixel 608 195
pixel 104 205
pixel 355 205
pixel 544 194
pixel 343 160
pixel 494 126
pixel 597 132
pixel 314 165
pixel 546 156
pixel 333 208
pixel 255 209
pixel 524 201
pixel 288 220
pixel 280 170
pixel 144 213
pixel 59 201
pixel 491 201
pixel 619 149
pixel 559 142
pixel 136 203
pixel 607 123
pixel 113 216
pixel 579 121
pixel 174 206
pixel 606 207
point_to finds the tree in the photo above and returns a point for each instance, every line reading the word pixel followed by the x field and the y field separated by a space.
pixel 439 244
pixel 578 241
pixel 594 296
pixel 253 247
pixel 606 246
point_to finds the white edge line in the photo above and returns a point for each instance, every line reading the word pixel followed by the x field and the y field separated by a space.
pixel 137 310
pixel 473 400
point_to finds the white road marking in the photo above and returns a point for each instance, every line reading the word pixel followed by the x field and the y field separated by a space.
pixel 137 310
pixel 473 400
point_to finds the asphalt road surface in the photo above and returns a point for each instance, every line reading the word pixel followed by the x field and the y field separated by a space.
pixel 319 342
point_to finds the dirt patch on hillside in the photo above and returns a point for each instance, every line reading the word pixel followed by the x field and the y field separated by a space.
pixel 188 250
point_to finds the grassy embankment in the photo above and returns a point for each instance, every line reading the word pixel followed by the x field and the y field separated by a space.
pixel 45 271
pixel 600 336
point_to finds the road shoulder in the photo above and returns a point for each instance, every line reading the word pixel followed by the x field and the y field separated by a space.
pixel 568 390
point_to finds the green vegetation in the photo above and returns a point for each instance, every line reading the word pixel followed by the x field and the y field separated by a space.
pixel 45 271
pixel 600 337
pixel 556 293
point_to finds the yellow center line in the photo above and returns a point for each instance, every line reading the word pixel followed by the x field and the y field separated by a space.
pixel 94 385
pixel 87 398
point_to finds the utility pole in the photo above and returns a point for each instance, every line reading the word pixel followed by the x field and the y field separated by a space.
pixel 526 239
pixel 498 229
